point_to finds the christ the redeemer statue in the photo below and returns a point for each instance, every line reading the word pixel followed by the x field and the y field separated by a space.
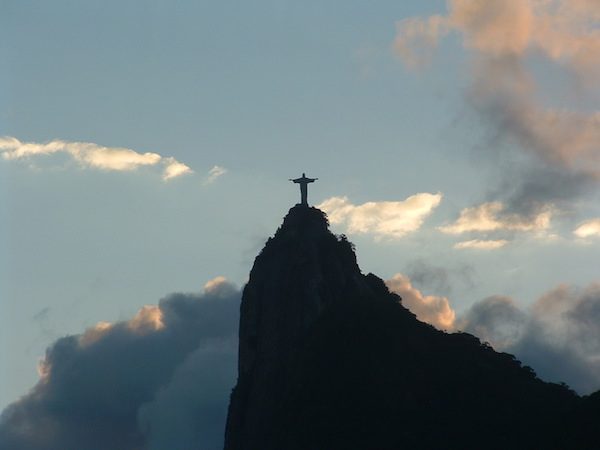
pixel 303 182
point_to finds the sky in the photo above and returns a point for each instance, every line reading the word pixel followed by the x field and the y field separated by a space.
pixel 146 150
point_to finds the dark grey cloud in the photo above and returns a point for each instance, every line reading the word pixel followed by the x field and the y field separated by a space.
pixel 496 319
pixel 437 279
pixel 527 190
pixel 540 155
pixel 190 411
pixel 163 376
pixel 542 159
pixel 559 336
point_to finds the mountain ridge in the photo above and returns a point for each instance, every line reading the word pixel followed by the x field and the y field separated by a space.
pixel 330 359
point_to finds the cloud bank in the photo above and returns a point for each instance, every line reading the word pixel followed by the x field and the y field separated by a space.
pixel 382 219
pixel 549 153
pixel 160 380
pixel 163 379
pixel 559 335
pixel 93 156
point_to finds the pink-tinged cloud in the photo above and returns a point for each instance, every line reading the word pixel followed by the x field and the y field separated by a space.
pixel 92 156
pixel 382 219
pixel 565 31
pixel 502 37
pixel 428 308
pixel 502 33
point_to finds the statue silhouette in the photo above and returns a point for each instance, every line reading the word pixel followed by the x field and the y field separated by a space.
pixel 303 182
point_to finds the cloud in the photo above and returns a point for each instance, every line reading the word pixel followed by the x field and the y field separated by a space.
pixel 504 94
pixel 190 411
pixel 174 168
pixel 589 228
pixel 530 191
pixel 89 155
pixel 496 319
pixel 416 39
pixel 428 308
pixel 162 377
pixel 502 37
pixel 562 30
pixel 559 335
pixel 440 279
pixel 481 244
pixel 489 217
pixel 383 219
pixel 492 218
pixel 214 173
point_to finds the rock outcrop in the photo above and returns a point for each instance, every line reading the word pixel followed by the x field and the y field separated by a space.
pixel 330 359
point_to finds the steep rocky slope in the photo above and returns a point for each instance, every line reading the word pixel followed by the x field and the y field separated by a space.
pixel 330 359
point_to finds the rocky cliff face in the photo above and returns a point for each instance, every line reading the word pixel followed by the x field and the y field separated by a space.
pixel 329 359
pixel 302 270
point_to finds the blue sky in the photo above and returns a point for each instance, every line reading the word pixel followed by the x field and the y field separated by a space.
pixel 266 90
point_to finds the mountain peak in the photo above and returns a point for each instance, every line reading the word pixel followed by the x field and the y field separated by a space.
pixel 329 358
pixel 305 218
pixel 304 237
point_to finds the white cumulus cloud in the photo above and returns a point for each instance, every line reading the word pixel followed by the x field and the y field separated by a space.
pixel 383 219
pixel 90 155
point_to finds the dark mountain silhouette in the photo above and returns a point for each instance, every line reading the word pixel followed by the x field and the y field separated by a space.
pixel 330 359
